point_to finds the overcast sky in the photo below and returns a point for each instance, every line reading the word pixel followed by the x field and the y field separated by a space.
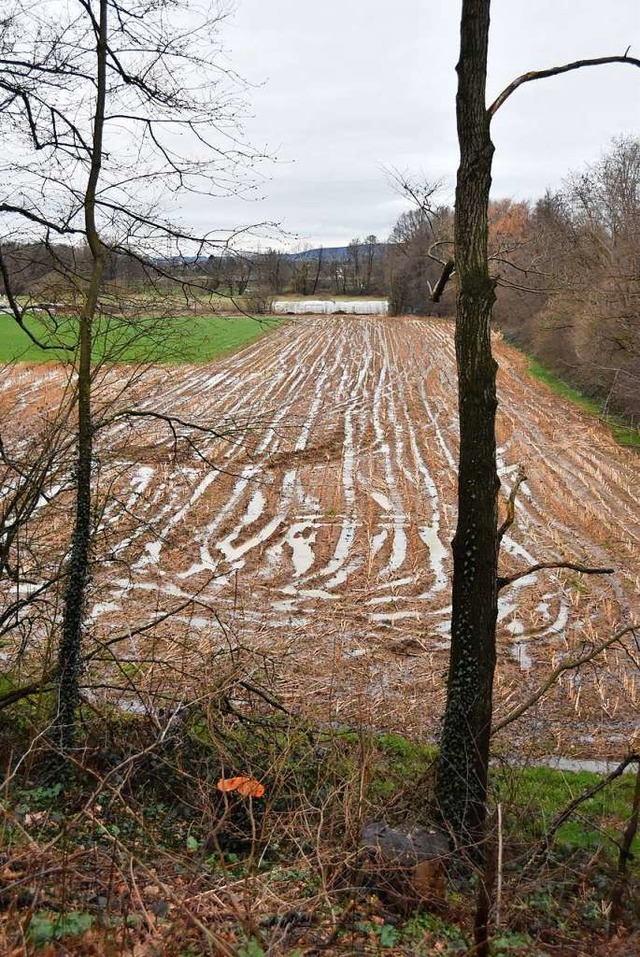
pixel 346 89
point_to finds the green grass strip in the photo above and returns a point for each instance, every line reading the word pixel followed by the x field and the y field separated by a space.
pixel 190 339
pixel 624 434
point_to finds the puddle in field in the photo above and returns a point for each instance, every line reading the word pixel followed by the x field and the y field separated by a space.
pixel 581 764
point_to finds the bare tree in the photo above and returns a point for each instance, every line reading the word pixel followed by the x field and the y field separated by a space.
pixel 420 239
pixel 464 747
pixel 585 240
pixel 318 273
pixel 114 108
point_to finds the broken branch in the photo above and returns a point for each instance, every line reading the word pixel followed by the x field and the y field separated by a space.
pixel 511 507
pixel 439 287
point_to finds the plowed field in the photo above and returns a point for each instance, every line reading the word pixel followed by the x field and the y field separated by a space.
pixel 315 528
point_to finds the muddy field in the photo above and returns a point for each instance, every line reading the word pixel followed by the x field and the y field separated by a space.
pixel 314 527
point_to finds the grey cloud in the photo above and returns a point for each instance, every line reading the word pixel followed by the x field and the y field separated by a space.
pixel 352 87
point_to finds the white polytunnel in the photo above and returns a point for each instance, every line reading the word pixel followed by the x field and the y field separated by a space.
pixel 358 307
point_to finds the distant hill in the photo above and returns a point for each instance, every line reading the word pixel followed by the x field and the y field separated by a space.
pixel 333 253
pixel 329 254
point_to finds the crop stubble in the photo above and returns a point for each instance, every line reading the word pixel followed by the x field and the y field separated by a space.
pixel 316 529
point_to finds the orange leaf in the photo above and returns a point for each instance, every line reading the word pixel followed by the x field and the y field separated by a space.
pixel 251 788
pixel 248 787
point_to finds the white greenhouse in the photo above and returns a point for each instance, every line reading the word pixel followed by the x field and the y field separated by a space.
pixel 351 307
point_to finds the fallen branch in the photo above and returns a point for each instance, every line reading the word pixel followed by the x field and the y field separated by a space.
pixel 566 665
pixel 261 693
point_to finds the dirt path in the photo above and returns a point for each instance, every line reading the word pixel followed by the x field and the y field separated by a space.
pixel 319 530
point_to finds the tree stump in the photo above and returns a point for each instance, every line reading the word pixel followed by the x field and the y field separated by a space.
pixel 406 867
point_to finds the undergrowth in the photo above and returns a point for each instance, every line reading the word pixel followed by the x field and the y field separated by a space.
pixel 134 849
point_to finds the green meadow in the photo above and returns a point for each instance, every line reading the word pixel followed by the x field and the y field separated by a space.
pixel 162 340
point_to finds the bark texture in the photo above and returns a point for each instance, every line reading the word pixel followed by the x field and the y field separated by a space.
pixel 464 746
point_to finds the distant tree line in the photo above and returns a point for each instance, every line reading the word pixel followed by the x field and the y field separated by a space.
pixel 44 270
pixel 567 270
pixel 354 270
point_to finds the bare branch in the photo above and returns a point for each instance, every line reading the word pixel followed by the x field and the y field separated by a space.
pixel 567 665
pixel 63 228
pixel 540 566
pixel 163 616
pixel 434 246
pixel 591 792
pixel 27 691
pixel 420 192
pixel 172 420
pixel 556 71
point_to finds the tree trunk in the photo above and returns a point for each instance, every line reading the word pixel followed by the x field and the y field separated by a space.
pixel 69 652
pixel 464 746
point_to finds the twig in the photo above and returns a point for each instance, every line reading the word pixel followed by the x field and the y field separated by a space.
pixel 266 697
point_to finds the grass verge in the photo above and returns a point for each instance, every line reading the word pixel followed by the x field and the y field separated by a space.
pixel 624 434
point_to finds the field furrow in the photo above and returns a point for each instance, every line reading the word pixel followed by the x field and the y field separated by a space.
pixel 314 519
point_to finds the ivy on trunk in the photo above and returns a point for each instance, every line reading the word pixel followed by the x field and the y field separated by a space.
pixel 462 773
